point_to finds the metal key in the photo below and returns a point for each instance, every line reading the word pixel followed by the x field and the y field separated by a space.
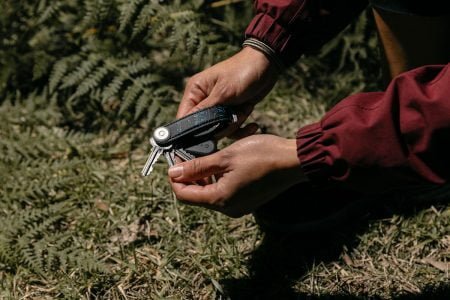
pixel 157 151
pixel 183 154
pixel 153 157
pixel 170 157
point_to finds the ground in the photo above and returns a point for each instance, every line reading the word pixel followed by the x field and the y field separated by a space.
pixel 150 246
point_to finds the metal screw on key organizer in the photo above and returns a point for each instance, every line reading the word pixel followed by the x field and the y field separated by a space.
pixel 161 134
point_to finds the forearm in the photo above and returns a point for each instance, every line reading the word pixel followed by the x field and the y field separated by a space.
pixel 293 27
pixel 385 140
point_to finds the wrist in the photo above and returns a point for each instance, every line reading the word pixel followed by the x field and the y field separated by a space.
pixel 289 158
pixel 289 163
pixel 271 55
pixel 260 59
pixel 256 57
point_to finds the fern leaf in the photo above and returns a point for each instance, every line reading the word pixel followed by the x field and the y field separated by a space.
pixel 143 19
pixel 104 9
pixel 50 11
pixel 130 95
pixel 141 104
pixel 153 110
pixel 137 66
pixel 31 256
pixel 148 79
pixel 113 87
pixel 96 12
pixel 76 76
pixel 91 82
pixel 59 71
pixel 127 12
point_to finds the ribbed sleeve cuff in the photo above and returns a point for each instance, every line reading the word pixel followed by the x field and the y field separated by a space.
pixel 265 28
pixel 316 160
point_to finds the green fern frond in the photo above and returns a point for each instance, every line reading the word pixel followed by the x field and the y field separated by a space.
pixel 142 103
pixel 129 97
pixel 153 110
pixel 49 11
pixel 60 69
pixel 136 66
pixel 80 73
pixel 144 18
pixel 96 12
pixel 113 87
pixel 127 11
pixel 104 79
pixel 91 82
pixel 148 80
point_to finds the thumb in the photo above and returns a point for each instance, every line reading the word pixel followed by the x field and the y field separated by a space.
pixel 196 169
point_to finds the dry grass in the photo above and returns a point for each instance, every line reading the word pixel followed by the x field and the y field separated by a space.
pixel 156 248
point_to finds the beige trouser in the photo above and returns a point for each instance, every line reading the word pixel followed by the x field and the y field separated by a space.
pixel 412 41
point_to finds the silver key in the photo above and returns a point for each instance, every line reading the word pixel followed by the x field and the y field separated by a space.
pixel 157 151
pixel 153 157
pixel 183 154
pixel 170 158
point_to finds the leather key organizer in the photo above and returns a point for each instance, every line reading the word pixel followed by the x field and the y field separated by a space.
pixel 194 133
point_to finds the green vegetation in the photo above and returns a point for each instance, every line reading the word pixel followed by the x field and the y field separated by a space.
pixel 82 83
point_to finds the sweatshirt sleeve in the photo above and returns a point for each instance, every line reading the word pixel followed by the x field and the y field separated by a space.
pixel 384 140
pixel 293 27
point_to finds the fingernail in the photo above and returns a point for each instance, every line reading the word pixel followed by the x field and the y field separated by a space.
pixel 175 171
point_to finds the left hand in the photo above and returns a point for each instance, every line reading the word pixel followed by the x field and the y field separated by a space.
pixel 249 173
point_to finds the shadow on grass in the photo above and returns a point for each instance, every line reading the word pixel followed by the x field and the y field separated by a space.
pixel 284 258
pixel 441 292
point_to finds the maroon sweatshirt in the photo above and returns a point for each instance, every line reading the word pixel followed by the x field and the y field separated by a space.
pixel 371 141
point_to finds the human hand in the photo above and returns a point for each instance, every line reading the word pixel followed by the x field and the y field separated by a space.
pixel 240 81
pixel 249 173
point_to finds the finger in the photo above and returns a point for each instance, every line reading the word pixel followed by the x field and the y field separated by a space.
pixel 209 196
pixel 184 107
pixel 196 194
pixel 195 92
pixel 188 102
pixel 199 93
pixel 244 132
pixel 197 168
pixel 203 181
pixel 205 103
pixel 191 105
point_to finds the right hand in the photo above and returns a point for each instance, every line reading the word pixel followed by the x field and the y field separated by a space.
pixel 240 81
pixel 248 175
